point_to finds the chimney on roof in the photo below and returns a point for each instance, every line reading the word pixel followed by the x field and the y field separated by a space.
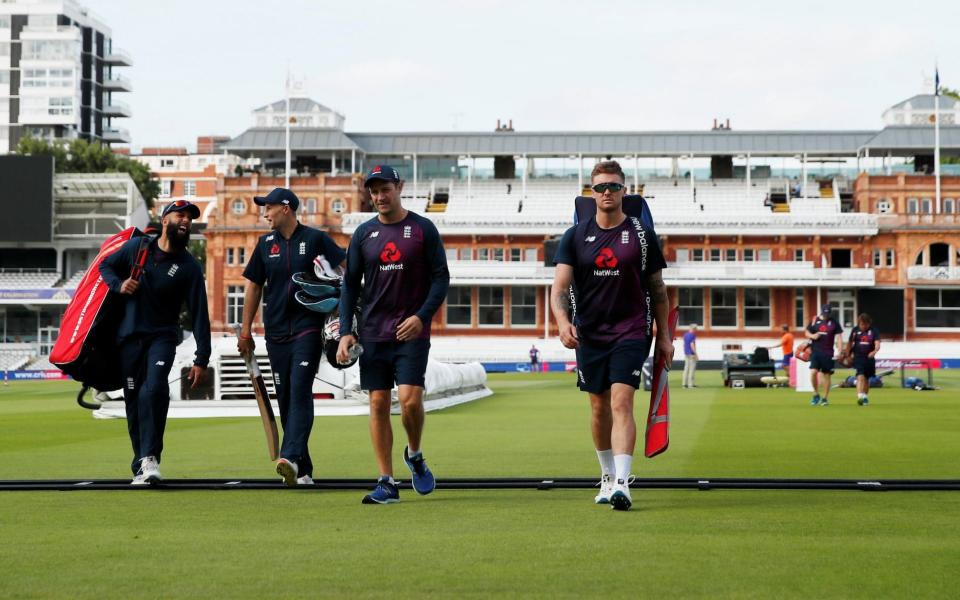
pixel 510 126
pixel 727 126
pixel 714 123
pixel 498 125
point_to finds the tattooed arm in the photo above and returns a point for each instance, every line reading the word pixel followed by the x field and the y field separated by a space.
pixel 560 303
pixel 660 304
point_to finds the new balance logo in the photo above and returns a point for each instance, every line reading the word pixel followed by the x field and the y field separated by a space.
pixel 374 234
pixel 304 364
pixel 160 363
pixel 269 237
pixel 591 238
pixel 636 373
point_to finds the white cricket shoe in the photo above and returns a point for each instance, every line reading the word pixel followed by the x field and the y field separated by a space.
pixel 305 480
pixel 149 472
pixel 620 498
pixel 287 470
pixel 606 490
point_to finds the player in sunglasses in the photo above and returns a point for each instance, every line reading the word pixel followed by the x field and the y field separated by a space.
pixel 611 261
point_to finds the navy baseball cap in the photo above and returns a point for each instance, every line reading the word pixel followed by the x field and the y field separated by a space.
pixel 383 173
pixel 826 309
pixel 279 196
pixel 181 205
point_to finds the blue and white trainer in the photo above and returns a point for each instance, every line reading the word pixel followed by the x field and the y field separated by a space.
pixel 384 493
pixel 620 498
pixel 815 401
pixel 423 480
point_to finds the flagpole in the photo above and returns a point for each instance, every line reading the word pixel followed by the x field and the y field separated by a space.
pixel 286 179
pixel 936 140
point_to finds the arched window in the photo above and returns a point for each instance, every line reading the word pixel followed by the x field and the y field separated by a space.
pixel 238 206
pixel 338 206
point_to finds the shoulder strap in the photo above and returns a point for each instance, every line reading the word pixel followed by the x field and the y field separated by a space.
pixel 142 251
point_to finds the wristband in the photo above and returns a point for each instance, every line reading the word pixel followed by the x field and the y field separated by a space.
pixel 245 337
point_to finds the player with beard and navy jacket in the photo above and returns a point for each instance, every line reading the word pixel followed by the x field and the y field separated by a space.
pixel 400 259
pixel 148 331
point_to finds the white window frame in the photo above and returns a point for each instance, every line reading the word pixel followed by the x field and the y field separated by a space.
pixel 492 305
pixel 468 306
pixel 734 307
pixel 234 297
pixel 768 308
pixel 189 187
pixel 514 305
pixel 238 206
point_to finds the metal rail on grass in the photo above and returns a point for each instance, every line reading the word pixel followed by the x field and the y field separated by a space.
pixel 506 483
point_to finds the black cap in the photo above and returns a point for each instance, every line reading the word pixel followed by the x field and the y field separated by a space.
pixel 182 205
pixel 383 173
pixel 279 196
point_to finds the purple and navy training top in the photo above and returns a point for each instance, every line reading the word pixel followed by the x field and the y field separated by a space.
pixel 404 271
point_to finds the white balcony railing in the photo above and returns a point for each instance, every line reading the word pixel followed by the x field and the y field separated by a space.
pixel 731 274
pixel 919 273
pixel 772 273
pixel 690 223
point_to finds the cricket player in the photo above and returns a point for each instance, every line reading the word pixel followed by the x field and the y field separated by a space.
pixel 294 334
pixel 149 330
pixel 612 261
pixel 863 345
pixel 823 331
pixel 400 258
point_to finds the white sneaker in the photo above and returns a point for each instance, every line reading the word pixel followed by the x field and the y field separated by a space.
pixel 149 472
pixel 620 498
pixel 305 480
pixel 606 489
pixel 287 470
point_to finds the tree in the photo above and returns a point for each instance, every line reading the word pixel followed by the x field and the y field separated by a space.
pixel 81 156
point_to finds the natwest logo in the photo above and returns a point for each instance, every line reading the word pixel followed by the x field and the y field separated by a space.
pixel 390 253
pixel 605 259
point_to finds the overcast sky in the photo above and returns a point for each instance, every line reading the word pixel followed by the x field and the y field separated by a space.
pixel 201 66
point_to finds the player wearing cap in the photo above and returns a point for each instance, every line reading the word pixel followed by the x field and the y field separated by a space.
pixel 863 345
pixel 823 331
pixel 148 331
pixel 612 261
pixel 400 258
pixel 294 334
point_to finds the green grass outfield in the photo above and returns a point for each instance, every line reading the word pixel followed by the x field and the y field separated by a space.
pixel 521 543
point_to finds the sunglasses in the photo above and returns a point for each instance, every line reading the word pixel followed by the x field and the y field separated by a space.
pixel 603 187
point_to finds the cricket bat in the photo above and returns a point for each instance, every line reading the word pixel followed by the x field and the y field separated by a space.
pixel 263 402
pixel 657 437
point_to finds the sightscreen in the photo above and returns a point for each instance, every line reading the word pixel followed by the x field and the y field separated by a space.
pixel 26 198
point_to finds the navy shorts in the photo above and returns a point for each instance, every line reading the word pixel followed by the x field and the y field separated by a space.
pixel 821 362
pixel 865 366
pixel 384 363
pixel 599 367
pixel 786 360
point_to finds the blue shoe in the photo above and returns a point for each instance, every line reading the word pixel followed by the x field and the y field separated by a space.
pixel 815 401
pixel 423 480
pixel 384 493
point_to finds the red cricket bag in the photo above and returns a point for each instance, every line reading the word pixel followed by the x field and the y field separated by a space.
pixel 86 348
pixel 658 419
